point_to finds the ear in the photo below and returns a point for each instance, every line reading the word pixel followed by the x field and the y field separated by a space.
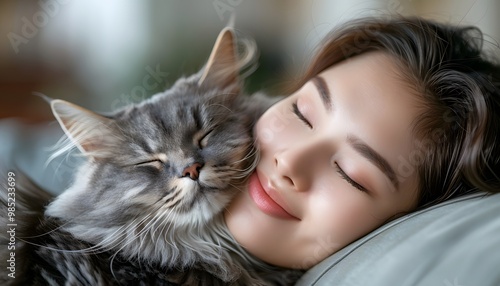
pixel 90 132
pixel 222 67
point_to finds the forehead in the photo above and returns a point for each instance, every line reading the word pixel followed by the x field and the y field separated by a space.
pixel 379 106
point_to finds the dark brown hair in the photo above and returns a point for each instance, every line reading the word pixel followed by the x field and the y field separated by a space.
pixel 456 149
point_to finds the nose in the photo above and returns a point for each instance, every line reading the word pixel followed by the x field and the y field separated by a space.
pixel 192 171
pixel 297 163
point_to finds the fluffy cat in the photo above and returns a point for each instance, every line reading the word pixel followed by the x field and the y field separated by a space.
pixel 146 208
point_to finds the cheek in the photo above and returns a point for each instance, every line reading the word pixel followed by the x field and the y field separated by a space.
pixel 277 124
pixel 338 217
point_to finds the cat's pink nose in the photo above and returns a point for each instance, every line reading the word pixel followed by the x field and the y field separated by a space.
pixel 193 171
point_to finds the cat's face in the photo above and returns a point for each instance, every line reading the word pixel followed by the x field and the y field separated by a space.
pixel 185 151
pixel 178 157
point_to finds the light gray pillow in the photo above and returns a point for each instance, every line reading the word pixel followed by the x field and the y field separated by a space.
pixel 454 243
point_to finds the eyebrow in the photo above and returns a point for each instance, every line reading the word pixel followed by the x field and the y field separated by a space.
pixel 366 151
pixel 324 92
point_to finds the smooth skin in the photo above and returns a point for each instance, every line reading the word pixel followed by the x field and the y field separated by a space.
pixel 324 185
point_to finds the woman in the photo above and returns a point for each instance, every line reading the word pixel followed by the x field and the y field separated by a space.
pixel 391 116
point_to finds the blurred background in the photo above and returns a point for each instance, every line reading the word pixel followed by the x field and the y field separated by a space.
pixel 106 54
pixel 97 53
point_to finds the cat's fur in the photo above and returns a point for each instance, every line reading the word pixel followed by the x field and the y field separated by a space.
pixel 146 208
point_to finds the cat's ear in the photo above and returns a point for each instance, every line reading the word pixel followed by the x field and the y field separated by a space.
pixel 90 132
pixel 222 68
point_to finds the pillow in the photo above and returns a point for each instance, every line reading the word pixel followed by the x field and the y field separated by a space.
pixel 454 243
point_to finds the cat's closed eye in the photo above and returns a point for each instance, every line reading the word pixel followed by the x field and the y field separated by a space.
pixel 156 163
pixel 203 139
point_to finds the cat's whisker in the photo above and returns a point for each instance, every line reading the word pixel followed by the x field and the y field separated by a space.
pixel 107 243
pixel 63 145
pixel 221 105
pixel 163 216
pixel 239 188
pixel 246 158
pixel 123 230
pixel 83 250
pixel 222 94
pixel 156 241
pixel 239 173
pixel 239 169
pixel 167 231
pixel 127 239
pixel 45 233
pixel 130 227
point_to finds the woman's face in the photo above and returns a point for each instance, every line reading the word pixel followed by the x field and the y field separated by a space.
pixel 333 164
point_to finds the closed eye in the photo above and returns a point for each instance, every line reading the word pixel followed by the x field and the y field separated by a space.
pixel 149 162
pixel 301 116
pixel 348 179
pixel 202 142
pixel 156 162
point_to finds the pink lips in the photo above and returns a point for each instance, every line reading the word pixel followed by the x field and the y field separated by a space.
pixel 263 201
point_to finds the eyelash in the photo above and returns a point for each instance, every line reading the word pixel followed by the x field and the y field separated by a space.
pixel 348 179
pixel 296 111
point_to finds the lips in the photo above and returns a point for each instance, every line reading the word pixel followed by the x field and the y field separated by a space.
pixel 264 201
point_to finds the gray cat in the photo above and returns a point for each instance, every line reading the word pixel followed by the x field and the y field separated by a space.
pixel 146 208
